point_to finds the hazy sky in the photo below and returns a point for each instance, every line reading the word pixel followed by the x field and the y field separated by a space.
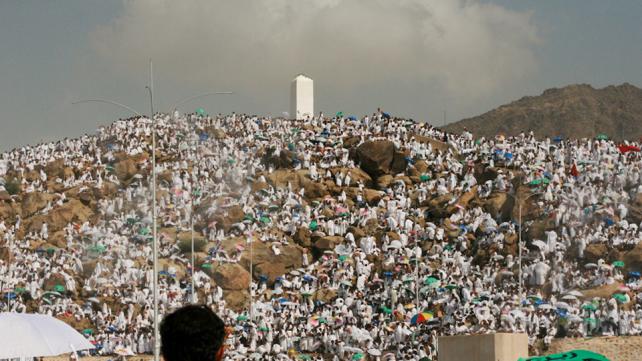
pixel 414 58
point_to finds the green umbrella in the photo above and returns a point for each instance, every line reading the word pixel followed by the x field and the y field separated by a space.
pixel 144 231
pixel 386 310
pixel 589 306
pixel 424 177
pixel 575 355
pixel 242 318
pixel 206 265
pixel 451 287
pixel 265 219
pixel 19 290
pixel 535 182
pixel 621 298
pixel 357 356
pixel 264 329
pixel 88 331
pixel 304 357
pixel 200 111
pixel 343 257
pixel 339 114
pixel 314 226
pixel 98 248
pixel 618 264
pixel 602 137
pixel 431 281
pixel 248 217
pixel 59 288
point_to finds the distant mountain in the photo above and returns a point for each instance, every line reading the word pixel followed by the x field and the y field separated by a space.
pixel 574 111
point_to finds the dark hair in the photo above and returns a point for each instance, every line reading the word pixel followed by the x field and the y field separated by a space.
pixel 192 333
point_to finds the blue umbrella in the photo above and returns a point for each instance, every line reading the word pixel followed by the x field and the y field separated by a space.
pixel 387 274
pixel 558 139
pixel 385 115
pixel 352 117
pixel 634 274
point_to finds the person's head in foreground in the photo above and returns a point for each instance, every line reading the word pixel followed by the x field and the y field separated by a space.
pixel 192 333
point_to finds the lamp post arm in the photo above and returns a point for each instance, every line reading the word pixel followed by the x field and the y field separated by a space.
pixel 109 102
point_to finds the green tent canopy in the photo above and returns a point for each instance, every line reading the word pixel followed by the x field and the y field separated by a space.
pixel 602 137
pixel 575 355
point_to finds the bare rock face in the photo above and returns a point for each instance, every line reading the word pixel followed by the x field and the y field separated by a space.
pixel 231 276
pixel 125 169
pixel 371 196
pixel 633 258
pixel 59 217
pixel 380 157
pixel 236 300
pixel 264 260
pixel 595 251
pixel 33 202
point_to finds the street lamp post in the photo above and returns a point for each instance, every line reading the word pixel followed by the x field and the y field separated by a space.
pixel 150 90
pixel 519 246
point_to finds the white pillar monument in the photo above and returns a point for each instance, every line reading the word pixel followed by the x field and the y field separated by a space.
pixel 302 97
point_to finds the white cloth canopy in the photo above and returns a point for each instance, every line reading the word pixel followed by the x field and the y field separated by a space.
pixel 34 335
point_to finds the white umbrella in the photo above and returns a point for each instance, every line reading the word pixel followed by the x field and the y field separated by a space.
pixel 539 244
pixel 34 335
pixel 590 266
pixel 395 244
pixel 570 297
pixel 374 352
pixel 575 293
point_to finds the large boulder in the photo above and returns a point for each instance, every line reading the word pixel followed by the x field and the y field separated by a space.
pixel 633 259
pixel 371 196
pixel 33 202
pixel 270 270
pixel 231 276
pixel 380 157
pixel 236 300
pixel 327 243
pixel 125 169
pixel 59 217
pixel 595 251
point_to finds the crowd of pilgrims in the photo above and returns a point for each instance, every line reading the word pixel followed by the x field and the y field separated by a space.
pixel 394 297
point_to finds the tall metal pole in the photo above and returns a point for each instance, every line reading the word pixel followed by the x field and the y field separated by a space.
pixel 251 277
pixel 150 88
pixel 519 248
pixel 191 221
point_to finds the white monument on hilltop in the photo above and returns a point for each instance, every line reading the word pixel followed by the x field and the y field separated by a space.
pixel 302 98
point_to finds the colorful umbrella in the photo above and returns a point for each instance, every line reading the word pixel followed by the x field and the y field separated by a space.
pixel 421 318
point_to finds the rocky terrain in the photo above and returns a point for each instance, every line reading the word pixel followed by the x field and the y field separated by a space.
pixel 574 111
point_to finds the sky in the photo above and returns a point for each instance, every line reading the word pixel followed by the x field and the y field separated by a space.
pixel 428 60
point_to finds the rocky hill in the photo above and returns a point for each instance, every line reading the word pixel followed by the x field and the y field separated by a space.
pixel 574 111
